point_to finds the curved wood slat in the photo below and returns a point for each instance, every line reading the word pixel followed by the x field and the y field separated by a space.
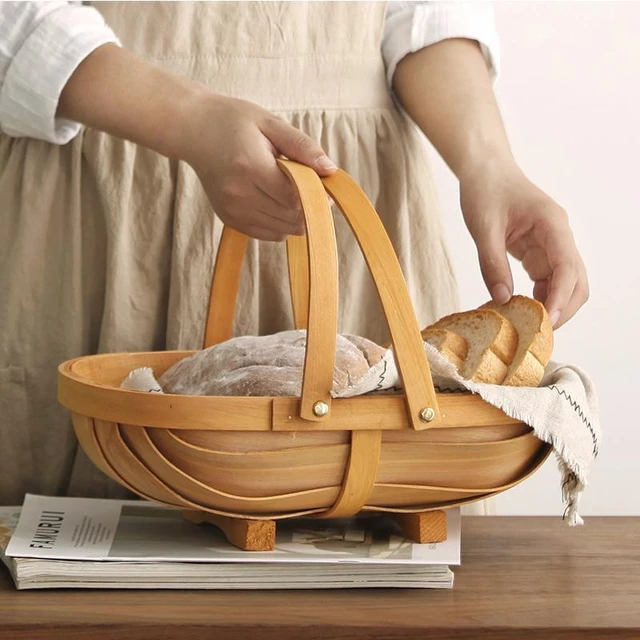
pixel 360 475
pixel 480 466
pixel 200 494
pixel 298 262
pixel 224 287
pixel 388 412
pixel 88 386
pixel 279 473
pixel 237 442
pixel 387 275
pixel 451 435
pixel 126 465
pixel 84 430
pixel 429 506
pixel 231 441
pixel 320 355
pixel 322 312
pixel 477 466
pixel 387 491
pixel 405 498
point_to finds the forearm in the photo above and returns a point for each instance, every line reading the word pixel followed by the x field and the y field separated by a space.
pixel 446 89
pixel 115 91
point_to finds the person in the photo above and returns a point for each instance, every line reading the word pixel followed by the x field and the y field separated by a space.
pixel 124 149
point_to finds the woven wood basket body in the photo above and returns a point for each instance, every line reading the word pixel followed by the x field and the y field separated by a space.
pixel 277 457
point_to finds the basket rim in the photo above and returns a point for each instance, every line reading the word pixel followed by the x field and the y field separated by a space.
pixel 81 394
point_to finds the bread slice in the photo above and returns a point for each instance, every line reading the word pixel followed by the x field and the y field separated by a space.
pixel 451 345
pixel 492 343
pixel 535 339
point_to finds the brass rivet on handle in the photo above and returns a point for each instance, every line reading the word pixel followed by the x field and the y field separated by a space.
pixel 427 414
pixel 320 409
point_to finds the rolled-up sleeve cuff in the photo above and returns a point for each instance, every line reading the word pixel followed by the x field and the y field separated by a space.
pixel 41 68
pixel 410 27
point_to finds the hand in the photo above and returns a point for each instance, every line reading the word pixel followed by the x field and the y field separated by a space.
pixel 505 212
pixel 233 145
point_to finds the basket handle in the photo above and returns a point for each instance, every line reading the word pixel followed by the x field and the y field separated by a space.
pixel 322 306
pixel 320 296
pixel 224 287
pixel 385 269
pixel 298 262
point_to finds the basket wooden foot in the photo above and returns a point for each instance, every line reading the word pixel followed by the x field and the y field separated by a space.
pixel 248 535
pixel 427 527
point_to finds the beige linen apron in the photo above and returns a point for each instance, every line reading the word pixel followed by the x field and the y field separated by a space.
pixel 107 246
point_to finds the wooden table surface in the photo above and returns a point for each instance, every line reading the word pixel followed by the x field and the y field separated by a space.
pixel 520 578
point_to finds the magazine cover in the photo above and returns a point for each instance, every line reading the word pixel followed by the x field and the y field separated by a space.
pixel 79 543
pixel 114 530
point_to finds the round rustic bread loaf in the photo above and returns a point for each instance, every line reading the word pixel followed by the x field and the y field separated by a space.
pixel 266 366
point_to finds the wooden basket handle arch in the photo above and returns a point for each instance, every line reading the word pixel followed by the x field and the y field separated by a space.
pixel 313 273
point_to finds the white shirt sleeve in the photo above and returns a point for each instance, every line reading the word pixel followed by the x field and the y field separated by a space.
pixel 41 44
pixel 411 26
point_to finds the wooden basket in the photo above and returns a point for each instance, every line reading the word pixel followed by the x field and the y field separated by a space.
pixel 264 458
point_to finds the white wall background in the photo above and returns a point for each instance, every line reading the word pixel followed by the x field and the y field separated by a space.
pixel 570 97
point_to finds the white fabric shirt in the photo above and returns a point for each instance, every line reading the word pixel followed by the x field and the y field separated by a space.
pixel 42 43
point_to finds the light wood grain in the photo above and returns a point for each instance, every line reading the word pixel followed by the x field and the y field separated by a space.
pixel 298 265
pixel 272 483
pixel 90 386
pixel 83 428
pixel 233 440
pixel 224 287
pixel 394 295
pixel 520 579
pixel 424 528
pixel 257 474
pixel 131 472
pixel 322 315
pixel 360 476
pixel 477 465
pixel 388 412
pixel 192 492
pixel 248 535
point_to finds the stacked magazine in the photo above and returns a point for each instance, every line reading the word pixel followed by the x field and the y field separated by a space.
pixel 91 543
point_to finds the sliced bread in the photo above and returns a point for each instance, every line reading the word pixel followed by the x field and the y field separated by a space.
pixel 451 345
pixel 492 343
pixel 535 339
